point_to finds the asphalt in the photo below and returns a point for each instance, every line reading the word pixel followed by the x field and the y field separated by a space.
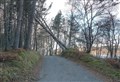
pixel 58 69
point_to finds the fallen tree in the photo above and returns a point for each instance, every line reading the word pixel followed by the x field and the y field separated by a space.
pixel 42 23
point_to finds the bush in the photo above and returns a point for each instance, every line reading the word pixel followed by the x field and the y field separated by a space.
pixel 72 53
pixel 115 63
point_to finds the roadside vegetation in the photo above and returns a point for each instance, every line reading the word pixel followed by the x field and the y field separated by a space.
pixel 17 65
pixel 108 67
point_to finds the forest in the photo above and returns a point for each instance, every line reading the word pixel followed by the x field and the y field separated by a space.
pixel 88 32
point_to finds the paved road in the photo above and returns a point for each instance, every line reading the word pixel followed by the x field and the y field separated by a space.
pixel 58 69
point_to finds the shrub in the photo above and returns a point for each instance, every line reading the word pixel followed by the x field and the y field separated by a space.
pixel 73 53
pixel 114 63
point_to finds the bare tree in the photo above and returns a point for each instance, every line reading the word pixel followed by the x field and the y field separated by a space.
pixel 89 12
pixel 111 36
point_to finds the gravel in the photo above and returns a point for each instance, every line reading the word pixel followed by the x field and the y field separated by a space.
pixel 58 69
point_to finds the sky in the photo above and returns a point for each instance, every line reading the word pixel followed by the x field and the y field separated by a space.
pixel 56 6
pixel 62 5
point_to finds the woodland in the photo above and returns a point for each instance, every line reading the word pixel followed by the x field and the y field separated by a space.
pixel 89 27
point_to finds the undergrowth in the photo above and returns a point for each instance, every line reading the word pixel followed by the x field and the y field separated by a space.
pixel 19 70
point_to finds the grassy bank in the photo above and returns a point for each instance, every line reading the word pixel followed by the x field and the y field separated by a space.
pixel 20 68
pixel 100 65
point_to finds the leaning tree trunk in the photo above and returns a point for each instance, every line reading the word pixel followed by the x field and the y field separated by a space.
pixel 43 24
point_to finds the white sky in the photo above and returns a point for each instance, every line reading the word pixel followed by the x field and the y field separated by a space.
pixel 118 11
pixel 62 5
pixel 56 6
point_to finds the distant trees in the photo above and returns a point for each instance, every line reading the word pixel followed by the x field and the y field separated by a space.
pixel 89 12
pixel 57 26
pixel 73 29
pixel 81 26
pixel 110 33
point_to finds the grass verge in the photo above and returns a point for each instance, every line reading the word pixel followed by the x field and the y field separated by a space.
pixel 97 64
pixel 19 69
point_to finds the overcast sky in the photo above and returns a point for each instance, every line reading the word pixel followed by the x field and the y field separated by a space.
pixel 56 6
pixel 62 5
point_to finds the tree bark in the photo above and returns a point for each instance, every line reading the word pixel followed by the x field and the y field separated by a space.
pixel 6 43
pixel 19 23
pixel 30 25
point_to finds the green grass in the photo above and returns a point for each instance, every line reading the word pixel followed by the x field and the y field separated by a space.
pixel 101 66
pixel 19 70
pixel 97 64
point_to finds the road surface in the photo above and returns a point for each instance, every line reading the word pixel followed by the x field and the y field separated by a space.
pixel 58 69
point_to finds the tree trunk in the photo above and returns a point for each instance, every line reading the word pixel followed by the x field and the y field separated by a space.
pixel 30 25
pixel 21 40
pixel 19 23
pixel 58 34
pixel 46 27
pixel 10 27
pixel 70 35
pixel 6 43
pixel 35 37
